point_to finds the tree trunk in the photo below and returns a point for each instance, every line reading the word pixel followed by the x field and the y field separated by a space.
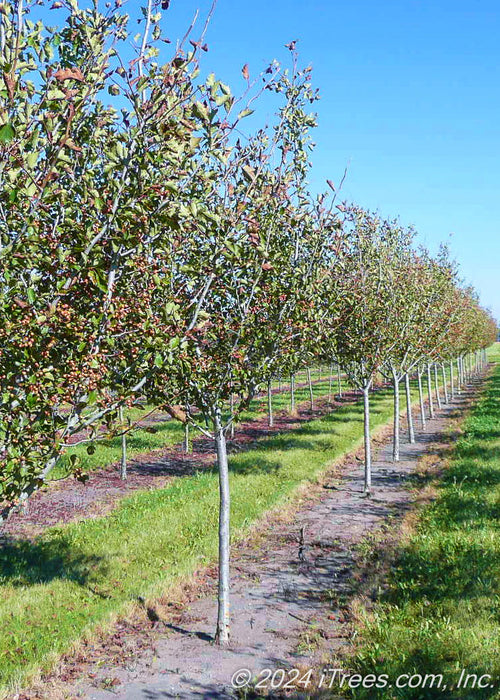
pixel 445 386
pixel 429 390
pixel 311 395
pixel 339 381
pixel 436 386
pixel 395 440
pixel 421 399
pixel 222 631
pixel 231 409
pixel 411 431
pixel 123 463
pixel 292 393
pixel 368 446
pixel 452 382
pixel 330 386
pixel 270 417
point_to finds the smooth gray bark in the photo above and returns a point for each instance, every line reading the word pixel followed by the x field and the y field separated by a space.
pixel 222 631
pixel 395 440
pixel 339 381
pixel 429 391
pixel 231 408
pixel 436 386
pixel 311 395
pixel 292 393
pixel 421 400
pixel 411 431
pixel 270 417
pixel 452 381
pixel 123 462
pixel 445 385
pixel 330 385
pixel 368 446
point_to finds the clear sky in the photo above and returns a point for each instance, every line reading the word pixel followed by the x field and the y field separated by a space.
pixel 410 103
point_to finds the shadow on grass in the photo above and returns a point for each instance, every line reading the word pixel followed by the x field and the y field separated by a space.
pixel 26 562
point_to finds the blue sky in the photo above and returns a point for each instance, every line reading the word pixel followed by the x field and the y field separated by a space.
pixel 410 104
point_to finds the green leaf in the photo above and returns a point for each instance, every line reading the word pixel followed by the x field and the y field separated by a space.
pixel 7 133
pixel 245 113
pixel 158 360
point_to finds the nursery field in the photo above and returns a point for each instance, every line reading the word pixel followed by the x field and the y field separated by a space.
pixel 206 348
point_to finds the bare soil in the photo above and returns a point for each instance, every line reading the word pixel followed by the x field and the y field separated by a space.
pixel 292 583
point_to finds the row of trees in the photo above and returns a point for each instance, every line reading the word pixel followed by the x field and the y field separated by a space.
pixel 149 249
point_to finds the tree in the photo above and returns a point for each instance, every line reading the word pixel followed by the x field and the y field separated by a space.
pixel 361 298
pixel 246 257
pixel 95 152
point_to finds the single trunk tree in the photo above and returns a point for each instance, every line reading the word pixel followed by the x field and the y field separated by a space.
pixel 270 417
pixel 421 400
pixel 411 431
pixel 429 391
pixel 311 395
pixel 123 462
pixel 445 386
pixel 367 440
pixel 436 386
pixel 395 444
pixel 222 630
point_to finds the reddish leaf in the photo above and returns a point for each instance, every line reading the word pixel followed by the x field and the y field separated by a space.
pixel 245 71
pixel 69 74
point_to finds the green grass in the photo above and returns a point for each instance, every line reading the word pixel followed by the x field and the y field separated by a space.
pixel 171 432
pixel 72 578
pixel 441 613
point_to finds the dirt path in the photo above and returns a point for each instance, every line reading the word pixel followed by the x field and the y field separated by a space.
pixel 288 598
pixel 69 500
